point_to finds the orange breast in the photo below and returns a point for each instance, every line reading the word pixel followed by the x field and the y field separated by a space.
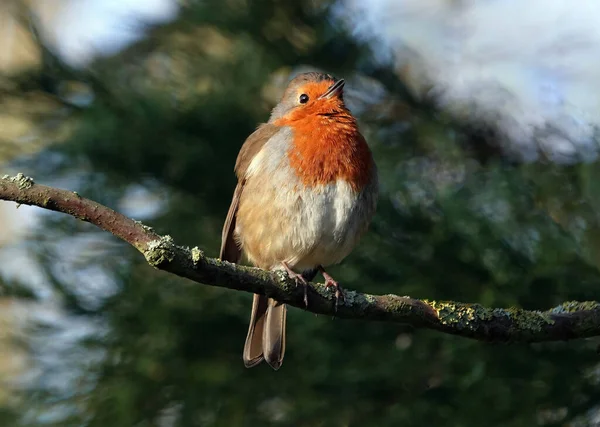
pixel 328 148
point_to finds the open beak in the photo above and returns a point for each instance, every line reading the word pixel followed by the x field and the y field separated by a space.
pixel 334 90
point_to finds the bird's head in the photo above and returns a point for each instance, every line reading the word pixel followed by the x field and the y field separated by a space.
pixel 311 94
pixel 326 145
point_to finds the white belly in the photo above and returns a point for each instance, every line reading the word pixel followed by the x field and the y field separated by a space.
pixel 329 222
pixel 306 228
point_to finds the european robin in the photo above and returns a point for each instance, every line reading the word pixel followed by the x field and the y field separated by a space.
pixel 307 190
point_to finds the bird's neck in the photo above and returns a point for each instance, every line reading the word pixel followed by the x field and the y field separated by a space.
pixel 327 148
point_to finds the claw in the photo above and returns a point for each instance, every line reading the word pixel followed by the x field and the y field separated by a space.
pixel 331 283
pixel 299 279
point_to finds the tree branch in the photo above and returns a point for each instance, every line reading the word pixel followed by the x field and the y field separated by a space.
pixel 568 321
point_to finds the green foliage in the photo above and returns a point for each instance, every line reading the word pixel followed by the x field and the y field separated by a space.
pixel 171 114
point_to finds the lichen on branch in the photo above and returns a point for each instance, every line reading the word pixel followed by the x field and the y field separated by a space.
pixel 569 320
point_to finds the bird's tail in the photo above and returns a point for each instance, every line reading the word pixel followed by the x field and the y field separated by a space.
pixel 266 333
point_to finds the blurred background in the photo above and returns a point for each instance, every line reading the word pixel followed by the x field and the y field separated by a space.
pixel 483 119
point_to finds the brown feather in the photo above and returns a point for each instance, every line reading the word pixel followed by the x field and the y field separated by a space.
pixel 252 146
pixel 230 250
pixel 253 348
pixel 273 340
pixel 266 333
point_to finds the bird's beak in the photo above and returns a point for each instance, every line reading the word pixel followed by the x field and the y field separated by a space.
pixel 334 90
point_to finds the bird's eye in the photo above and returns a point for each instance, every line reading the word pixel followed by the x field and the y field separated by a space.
pixel 303 98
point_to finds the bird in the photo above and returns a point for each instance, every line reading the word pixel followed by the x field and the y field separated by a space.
pixel 307 190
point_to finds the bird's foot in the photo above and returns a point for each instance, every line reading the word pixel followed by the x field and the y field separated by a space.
pixel 299 279
pixel 331 283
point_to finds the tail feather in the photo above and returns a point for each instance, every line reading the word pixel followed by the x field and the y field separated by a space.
pixel 253 348
pixel 266 333
pixel 274 334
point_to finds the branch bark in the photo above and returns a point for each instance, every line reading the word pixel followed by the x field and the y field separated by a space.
pixel 570 320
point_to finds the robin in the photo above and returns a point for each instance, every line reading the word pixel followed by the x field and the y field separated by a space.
pixel 307 190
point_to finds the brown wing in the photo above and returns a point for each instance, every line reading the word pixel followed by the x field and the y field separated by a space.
pixel 230 251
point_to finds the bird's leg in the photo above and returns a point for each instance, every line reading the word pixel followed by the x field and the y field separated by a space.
pixel 299 279
pixel 329 283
